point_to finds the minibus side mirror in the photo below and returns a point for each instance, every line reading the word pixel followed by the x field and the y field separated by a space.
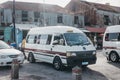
pixel 55 42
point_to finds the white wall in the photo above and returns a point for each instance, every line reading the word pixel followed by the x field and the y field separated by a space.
pixel 50 18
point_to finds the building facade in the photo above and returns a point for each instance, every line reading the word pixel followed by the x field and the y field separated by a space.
pixel 39 14
pixel 95 14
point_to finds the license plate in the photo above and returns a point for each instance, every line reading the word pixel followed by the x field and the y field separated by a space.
pixel 84 63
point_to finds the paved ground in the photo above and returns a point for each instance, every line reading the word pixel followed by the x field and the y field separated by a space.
pixel 102 70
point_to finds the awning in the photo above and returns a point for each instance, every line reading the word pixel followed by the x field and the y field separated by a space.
pixel 96 30
pixel 24 26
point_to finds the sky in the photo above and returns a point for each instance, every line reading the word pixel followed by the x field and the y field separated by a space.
pixel 62 3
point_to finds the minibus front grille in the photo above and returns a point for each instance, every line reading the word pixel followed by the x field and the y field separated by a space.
pixel 84 54
pixel 13 56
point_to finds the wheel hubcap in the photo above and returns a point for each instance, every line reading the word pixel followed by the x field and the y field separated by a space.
pixel 30 58
pixel 113 56
pixel 56 64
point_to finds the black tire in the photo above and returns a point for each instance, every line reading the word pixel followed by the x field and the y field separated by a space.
pixel 57 64
pixel 31 58
pixel 114 57
pixel 84 66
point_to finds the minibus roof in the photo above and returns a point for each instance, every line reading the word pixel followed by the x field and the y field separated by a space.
pixel 112 29
pixel 54 29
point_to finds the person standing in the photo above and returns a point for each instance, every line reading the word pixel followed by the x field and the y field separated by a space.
pixel 8 42
pixel 95 41
pixel 23 46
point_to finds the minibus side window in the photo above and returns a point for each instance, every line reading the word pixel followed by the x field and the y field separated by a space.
pixel 59 40
pixel 31 39
pixel 49 39
pixel 107 37
pixel 112 37
pixel 38 40
pixel 35 39
pixel 119 37
pixel 27 39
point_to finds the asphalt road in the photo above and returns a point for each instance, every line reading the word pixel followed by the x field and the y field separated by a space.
pixel 102 70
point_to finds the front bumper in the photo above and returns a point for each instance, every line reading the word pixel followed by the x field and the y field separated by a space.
pixel 85 58
pixel 8 62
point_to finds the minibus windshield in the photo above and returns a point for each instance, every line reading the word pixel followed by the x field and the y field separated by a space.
pixel 76 39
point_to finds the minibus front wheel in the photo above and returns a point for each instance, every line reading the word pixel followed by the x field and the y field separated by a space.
pixel 31 58
pixel 114 57
pixel 57 63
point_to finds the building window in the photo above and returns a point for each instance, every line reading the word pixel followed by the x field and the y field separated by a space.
pixel 119 20
pixel 76 19
pixel 106 20
pixel 36 16
pixel 59 19
pixel 24 15
pixel 2 15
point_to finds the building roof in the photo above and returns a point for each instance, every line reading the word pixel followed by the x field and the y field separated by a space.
pixel 27 6
pixel 104 7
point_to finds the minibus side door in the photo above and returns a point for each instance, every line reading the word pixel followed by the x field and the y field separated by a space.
pixel 58 45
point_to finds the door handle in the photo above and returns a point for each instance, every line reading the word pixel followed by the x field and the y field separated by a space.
pixel 51 49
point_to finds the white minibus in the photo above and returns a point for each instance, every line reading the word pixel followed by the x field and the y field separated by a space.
pixel 111 43
pixel 59 45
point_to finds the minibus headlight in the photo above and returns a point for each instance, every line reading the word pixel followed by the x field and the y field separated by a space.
pixel 71 54
pixel 3 56
pixel 94 53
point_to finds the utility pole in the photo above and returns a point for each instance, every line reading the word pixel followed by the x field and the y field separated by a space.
pixel 44 19
pixel 13 16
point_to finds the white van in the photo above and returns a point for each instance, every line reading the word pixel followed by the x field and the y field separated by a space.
pixel 111 43
pixel 59 45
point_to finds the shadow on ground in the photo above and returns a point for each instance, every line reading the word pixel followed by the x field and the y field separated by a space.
pixel 45 71
pixel 116 64
pixel 87 73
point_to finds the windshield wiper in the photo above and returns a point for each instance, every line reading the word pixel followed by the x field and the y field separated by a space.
pixel 78 43
pixel 87 43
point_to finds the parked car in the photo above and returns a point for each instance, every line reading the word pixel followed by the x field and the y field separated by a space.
pixel 7 54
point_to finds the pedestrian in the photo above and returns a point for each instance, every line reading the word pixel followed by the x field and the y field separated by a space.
pixel 95 42
pixel 8 42
pixel 23 46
